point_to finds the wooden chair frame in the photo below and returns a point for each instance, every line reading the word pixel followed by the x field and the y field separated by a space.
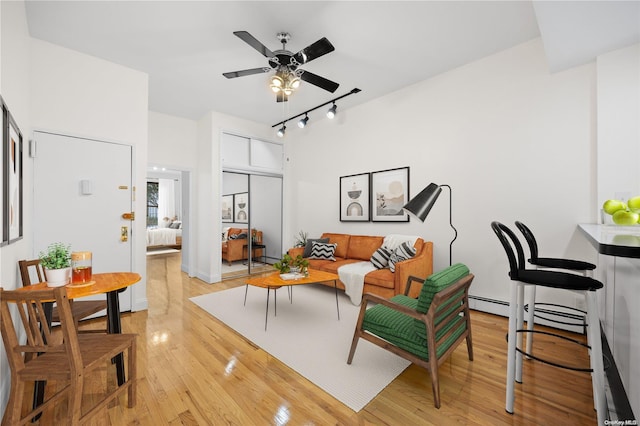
pixel 442 298
pixel 80 309
pixel 66 357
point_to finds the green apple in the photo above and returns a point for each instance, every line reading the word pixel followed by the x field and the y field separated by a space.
pixel 625 217
pixel 634 204
pixel 612 206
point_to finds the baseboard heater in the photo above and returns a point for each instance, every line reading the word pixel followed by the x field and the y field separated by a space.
pixel 622 408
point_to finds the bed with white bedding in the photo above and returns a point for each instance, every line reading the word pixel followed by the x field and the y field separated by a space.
pixel 164 237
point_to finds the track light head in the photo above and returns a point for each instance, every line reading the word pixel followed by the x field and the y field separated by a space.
pixel 303 121
pixel 282 130
pixel 332 111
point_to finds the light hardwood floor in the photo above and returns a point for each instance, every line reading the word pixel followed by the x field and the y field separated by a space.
pixel 193 370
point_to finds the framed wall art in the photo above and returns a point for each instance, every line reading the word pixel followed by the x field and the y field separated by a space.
pixel 3 180
pixel 241 207
pixel 12 175
pixel 226 204
pixel 355 198
pixel 389 193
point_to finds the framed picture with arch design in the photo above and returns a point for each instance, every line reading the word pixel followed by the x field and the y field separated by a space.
pixel 241 207
pixel 355 199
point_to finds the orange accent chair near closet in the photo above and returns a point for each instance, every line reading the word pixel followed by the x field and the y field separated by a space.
pixel 60 355
pixel 80 309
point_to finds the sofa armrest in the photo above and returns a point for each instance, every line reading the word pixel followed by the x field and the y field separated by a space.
pixel 295 251
pixel 420 265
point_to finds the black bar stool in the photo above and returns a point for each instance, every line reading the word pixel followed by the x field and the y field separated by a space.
pixel 549 311
pixel 560 280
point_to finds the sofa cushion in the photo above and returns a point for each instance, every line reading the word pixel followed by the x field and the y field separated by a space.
pixel 403 252
pixel 309 245
pixel 331 266
pixel 342 241
pixel 362 246
pixel 399 329
pixel 323 251
pixel 380 278
pixel 380 258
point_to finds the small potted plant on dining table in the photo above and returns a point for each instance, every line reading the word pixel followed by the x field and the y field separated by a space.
pixel 56 261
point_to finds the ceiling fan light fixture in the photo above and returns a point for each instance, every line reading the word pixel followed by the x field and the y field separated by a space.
pixel 276 83
pixel 294 83
pixel 303 121
pixel 332 111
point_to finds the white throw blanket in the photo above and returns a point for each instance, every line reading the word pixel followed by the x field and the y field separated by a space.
pixel 392 241
pixel 352 276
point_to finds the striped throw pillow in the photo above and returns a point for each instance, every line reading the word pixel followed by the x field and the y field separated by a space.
pixel 403 252
pixel 323 251
pixel 380 258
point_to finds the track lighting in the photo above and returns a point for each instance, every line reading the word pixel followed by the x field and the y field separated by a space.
pixel 303 121
pixel 287 85
pixel 332 111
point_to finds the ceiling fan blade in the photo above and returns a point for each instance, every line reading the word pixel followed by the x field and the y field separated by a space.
pixel 321 82
pixel 313 51
pixel 253 42
pixel 234 74
pixel 281 97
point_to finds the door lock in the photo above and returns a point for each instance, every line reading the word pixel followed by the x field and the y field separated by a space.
pixel 124 233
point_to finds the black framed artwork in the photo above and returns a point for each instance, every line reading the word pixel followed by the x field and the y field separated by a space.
pixel 226 204
pixel 12 205
pixel 241 207
pixel 389 193
pixel 355 198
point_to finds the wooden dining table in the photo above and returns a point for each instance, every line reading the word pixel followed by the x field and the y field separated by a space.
pixel 109 283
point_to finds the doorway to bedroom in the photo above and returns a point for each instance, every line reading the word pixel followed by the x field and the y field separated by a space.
pixel 167 213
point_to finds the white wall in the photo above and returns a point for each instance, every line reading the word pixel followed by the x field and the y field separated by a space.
pixel 14 86
pixel 513 141
pixel 51 88
pixel 76 94
pixel 172 141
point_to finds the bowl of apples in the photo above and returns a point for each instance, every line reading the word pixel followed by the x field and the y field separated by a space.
pixel 625 214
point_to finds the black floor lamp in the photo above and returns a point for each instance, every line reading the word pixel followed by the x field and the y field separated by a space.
pixel 421 205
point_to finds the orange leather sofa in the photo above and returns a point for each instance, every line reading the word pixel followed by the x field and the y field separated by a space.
pixel 237 249
pixel 383 282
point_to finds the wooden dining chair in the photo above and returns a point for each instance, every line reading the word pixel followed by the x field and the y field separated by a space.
pixel 80 309
pixel 63 356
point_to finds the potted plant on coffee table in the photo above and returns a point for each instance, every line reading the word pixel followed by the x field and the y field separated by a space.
pixel 56 261
pixel 290 264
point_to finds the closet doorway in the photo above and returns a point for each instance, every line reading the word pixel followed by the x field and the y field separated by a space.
pixel 251 222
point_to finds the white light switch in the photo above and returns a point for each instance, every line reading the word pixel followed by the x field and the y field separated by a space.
pixel 86 187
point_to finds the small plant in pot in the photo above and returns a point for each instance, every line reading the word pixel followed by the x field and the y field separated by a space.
pixel 56 261
pixel 290 264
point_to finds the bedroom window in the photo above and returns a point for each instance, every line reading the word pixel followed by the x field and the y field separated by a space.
pixel 152 204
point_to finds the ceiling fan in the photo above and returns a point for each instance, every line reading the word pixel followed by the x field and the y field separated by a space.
pixel 286 63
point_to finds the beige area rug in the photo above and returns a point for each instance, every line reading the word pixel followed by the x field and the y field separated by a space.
pixel 307 336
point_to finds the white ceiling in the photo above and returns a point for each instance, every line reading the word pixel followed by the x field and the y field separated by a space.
pixel 380 46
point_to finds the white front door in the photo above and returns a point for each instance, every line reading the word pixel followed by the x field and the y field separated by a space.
pixel 82 187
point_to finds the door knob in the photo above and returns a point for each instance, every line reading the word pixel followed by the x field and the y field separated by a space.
pixel 129 216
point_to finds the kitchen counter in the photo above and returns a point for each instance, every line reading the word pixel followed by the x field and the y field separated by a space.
pixel 618 268
pixel 612 240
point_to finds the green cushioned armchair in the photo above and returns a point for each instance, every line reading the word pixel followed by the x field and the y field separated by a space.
pixel 425 330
